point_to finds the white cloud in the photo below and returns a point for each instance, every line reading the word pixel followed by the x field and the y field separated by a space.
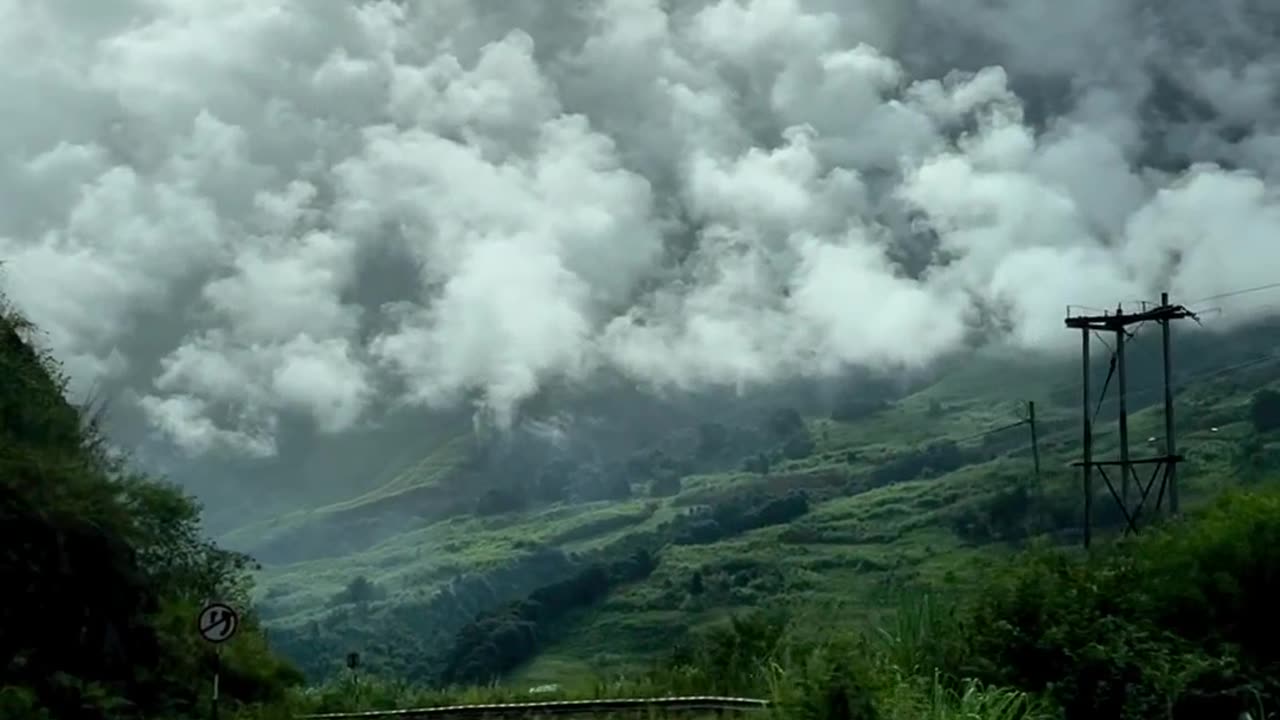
pixel 194 191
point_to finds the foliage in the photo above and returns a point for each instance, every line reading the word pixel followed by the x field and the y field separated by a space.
pixel 939 457
pixel 498 641
pixel 496 501
pixel 103 569
pixel 737 515
pixel 1175 623
pixel 360 591
pixel 1172 623
pixel 1264 411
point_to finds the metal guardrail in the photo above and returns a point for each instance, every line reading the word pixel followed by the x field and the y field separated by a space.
pixel 562 707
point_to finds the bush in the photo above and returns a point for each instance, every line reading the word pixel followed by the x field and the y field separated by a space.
pixel 1176 623
pixel 104 569
pixel 665 485
pixel 497 501
pixel 496 642
pixel 1264 411
pixel 799 445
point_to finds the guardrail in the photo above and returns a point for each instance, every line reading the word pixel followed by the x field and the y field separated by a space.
pixel 561 708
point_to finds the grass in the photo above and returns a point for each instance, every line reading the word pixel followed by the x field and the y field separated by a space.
pixel 796 671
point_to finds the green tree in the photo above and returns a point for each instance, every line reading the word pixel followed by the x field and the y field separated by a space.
pixel 1264 410
pixel 1177 623
pixel 665 484
pixel 103 569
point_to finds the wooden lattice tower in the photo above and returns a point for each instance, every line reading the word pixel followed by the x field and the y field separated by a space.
pixel 1164 474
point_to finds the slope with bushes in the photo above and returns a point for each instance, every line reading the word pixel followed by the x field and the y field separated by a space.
pixel 1173 623
pixel 851 543
pixel 802 510
pixel 103 570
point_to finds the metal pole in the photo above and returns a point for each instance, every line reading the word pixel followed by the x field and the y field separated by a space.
pixel 217 669
pixel 1088 443
pixel 1124 410
pixel 1169 444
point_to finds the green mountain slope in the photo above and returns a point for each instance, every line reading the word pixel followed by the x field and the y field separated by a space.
pixel 832 516
pixel 414 494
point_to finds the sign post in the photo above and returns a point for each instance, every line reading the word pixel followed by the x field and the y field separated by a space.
pixel 217 623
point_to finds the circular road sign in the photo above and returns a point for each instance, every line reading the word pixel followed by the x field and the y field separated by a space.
pixel 218 622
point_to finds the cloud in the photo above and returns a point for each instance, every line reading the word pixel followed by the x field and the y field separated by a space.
pixel 242 213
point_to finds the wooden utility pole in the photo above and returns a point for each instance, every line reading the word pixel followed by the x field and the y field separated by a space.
pixel 1087 445
pixel 1170 446
pixel 1039 513
pixel 1119 324
pixel 1035 440
pixel 1122 335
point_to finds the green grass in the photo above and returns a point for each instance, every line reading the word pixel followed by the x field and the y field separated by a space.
pixel 895 667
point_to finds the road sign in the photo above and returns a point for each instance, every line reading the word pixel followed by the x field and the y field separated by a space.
pixel 218 622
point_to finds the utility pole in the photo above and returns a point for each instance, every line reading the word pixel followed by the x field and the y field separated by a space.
pixel 1035 441
pixel 1165 466
pixel 1170 446
pixel 1122 335
pixel 1087 465
pixel 1039 514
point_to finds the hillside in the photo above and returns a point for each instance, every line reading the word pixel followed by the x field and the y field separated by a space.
pixel 103 569
pixel 835 512
pixel 576 591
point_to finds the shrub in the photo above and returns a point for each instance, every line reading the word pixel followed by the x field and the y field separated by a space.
pixel 1176 622
pixel 1264 411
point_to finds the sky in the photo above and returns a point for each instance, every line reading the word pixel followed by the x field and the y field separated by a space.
pixel 233 214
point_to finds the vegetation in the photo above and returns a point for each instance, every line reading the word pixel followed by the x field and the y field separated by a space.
pixel 497 642
pixel 103 570
pixel 882 562
pixel 1172 623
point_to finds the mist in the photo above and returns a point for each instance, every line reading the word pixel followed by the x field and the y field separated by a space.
pixel 248 221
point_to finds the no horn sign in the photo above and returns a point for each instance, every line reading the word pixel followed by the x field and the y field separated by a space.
pixel 218 622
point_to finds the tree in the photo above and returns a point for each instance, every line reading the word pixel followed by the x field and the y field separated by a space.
pixel 553 482
pixel 1178 623
pixel 103 568
pixel 713 439
pixel 785 422
pixel 665 485
pixel 799 445
pixel 758 463
pixel 359 591
pixel 1264 411
pixel 497 501
pixel 696 584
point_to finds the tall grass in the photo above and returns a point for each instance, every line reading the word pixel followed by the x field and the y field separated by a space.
pixel 892 671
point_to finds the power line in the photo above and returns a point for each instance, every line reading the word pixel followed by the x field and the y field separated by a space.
pixel 1155 387
pixel 1235 293
pixel 992 431
pixel 1261 360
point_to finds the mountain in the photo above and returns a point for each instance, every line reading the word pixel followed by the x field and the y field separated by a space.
pixel 597 536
